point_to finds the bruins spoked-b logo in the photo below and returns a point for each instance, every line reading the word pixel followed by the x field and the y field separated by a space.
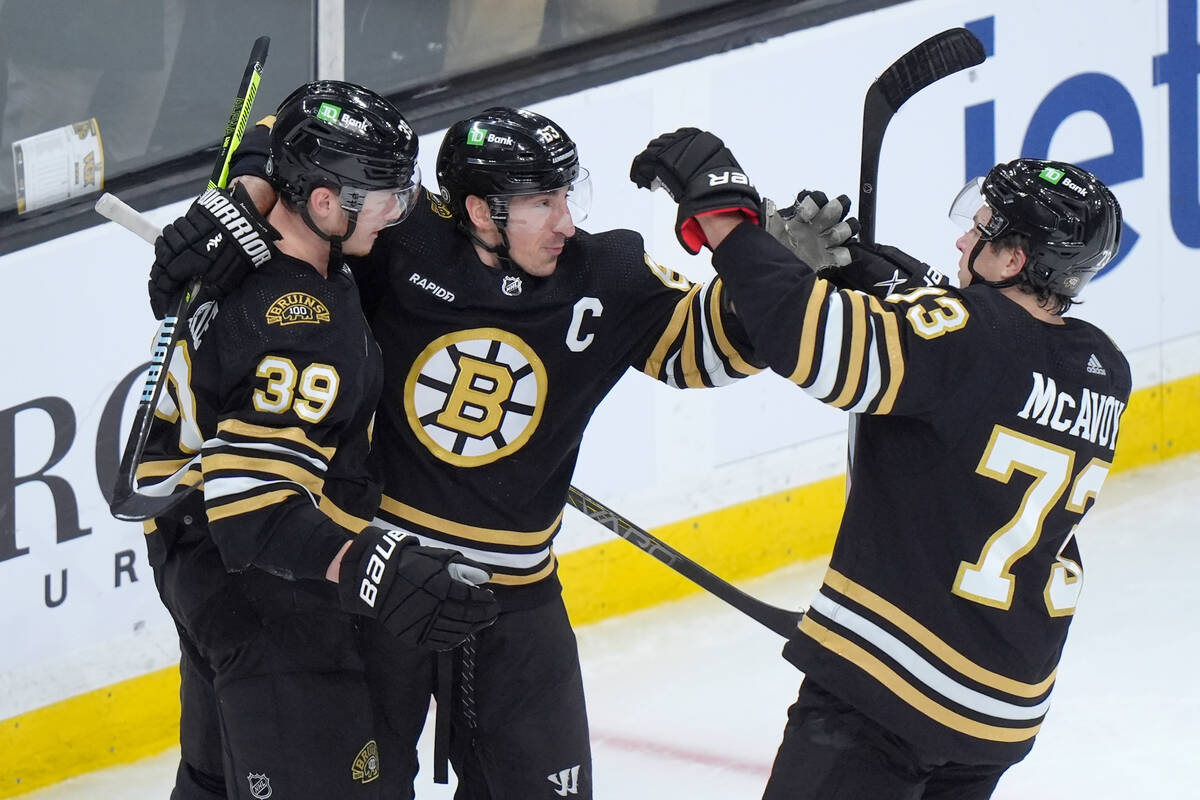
pixel 475 396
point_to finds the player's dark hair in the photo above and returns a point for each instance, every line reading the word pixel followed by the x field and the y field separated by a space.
pixel 1054 302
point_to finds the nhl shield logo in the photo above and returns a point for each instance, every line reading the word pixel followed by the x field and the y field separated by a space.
pixel 260 786
pixel 511 285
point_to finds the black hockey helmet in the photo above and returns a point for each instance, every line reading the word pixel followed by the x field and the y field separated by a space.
pixel 1072 220
pixel 342 136
pixel 503 152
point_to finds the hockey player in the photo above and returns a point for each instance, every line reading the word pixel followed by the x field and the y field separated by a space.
pixel 503 326
pixel 989 425
pixel 269 569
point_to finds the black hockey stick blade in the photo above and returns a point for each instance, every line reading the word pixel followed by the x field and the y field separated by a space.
pixel 780 620
pixel 937 57
pixel 127 503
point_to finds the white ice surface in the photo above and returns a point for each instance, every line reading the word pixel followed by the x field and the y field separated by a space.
pixel 688 700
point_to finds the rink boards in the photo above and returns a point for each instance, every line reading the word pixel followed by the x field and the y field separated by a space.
pixel 744 479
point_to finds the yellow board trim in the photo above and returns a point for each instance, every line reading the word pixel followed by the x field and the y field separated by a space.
pixel 128 721
pixel 118 724
pixel 616 578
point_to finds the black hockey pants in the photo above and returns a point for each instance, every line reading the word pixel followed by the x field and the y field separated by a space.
pixel 831 751
pixel 518 723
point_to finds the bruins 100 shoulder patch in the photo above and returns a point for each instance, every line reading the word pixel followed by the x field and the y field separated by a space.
pixel 297 307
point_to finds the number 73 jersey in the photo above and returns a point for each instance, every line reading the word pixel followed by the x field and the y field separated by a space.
pixel 985 437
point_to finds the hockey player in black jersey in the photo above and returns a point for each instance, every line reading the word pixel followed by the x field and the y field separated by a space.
pixel 503 326
pixel 272 568
pixel 989 425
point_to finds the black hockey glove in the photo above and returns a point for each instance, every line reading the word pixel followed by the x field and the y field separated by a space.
pixel 425 596
pixel 882 270
pixel 814 228
pixel 700 174
pixel 219 240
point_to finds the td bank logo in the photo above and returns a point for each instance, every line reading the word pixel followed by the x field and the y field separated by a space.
pixel 329 112
pixel 1051 175
pixel 477 136
pixel 473 397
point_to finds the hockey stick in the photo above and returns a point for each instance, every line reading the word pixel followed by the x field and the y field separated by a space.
pixel 780 620
pixel 937 57
pixel 127 503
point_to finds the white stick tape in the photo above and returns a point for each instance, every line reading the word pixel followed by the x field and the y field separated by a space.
pixel 129 218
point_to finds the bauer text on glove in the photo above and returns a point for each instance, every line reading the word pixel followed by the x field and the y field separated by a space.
pixel 425 596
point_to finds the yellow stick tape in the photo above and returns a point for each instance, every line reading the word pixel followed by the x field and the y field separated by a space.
pixel 139 717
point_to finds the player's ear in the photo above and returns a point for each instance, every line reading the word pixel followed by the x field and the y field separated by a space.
pixel 322 200
pixel 480 213
pixel 1017 257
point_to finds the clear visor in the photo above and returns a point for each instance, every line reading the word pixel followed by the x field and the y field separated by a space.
pixel 383 207
pixel 537 209
pixel 971 210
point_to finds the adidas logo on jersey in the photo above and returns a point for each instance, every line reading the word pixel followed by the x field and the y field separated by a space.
pixel 1095 367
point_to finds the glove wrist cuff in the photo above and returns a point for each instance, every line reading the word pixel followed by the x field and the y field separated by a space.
pixel 366 563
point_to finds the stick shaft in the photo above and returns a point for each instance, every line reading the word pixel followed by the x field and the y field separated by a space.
pixel 780 620
pixel 939 56
pixel 126 502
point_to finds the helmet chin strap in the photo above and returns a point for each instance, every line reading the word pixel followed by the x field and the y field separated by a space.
pixel 977 278
pixel 498 250
pixel 335 241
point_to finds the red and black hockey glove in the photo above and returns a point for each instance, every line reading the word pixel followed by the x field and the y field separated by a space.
pixel 701 175
pixel 425 596
pixel 882 270
pixel 220 239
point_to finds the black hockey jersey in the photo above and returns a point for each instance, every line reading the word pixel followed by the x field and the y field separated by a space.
pixel 268 406
pixel 492 376
pixel 986 437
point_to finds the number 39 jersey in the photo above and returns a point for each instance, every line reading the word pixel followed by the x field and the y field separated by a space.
pixel 986 436
pixel 493 374
pixel 268 407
